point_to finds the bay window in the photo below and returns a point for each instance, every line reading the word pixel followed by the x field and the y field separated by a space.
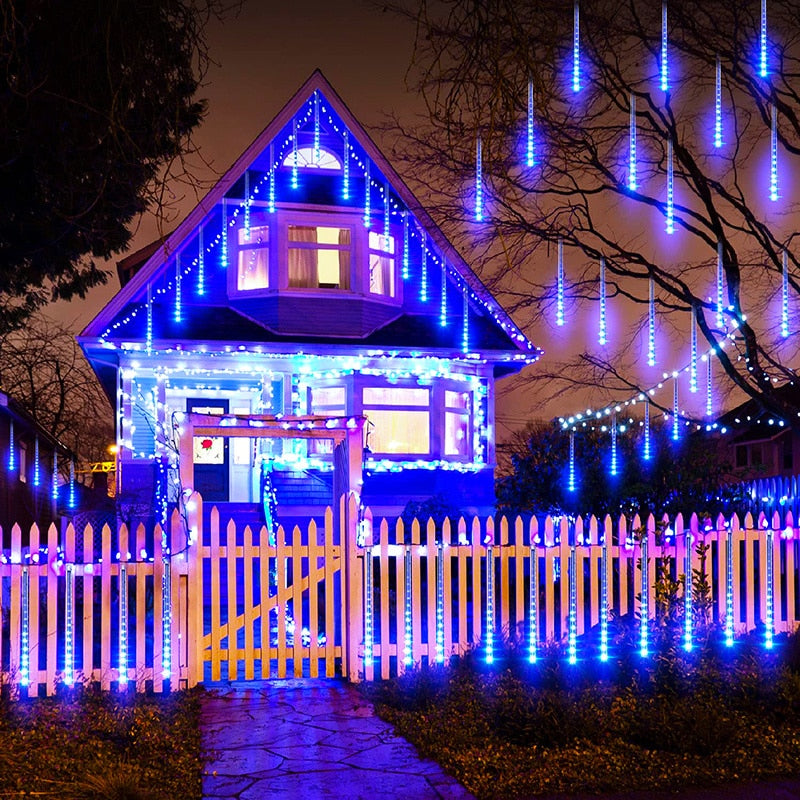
pixel 319 257
pixel 399 419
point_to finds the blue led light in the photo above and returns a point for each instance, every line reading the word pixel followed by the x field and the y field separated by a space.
pixel 368 610
pixel 443 295
pixel 560 285
pixel 571 484
pixel 12 448
pixel 367 197
pixel 687 594
pixel 530 154
pixel 423 284
pixel 651 326
pixel 720 285
pixel 25 623
pixel 440 654
pixel 601 337
pixel 646 447
pixel 769 621
pixel 149 322
pixel 479 181
pixel 223 250
pixel 718 106
pixel 693 354
pixel 72 500
pixel 604 599
pixel 386 214
pixel 316 127
pixel 54 478
pixel 295 159
pixel 533 604
pixel 346 166
pixel 406 270
pixel 166 624
pixel 178 278
pixel 614 464
pixel 69 624
pixel 201 263
pixel 763 71
pixel 729 590
pixel 572 633
pixel 709 378
pixel 664 49
pixel 785 296
pixel 670 189
pixel 773 158
pixel 632 146
pixel 676 430
pixel 408 617
pixel 465 322
pixel 489 636
pixel 576 48
pixel 37 469
pixel 247 203
pixel 123 624
pixel 644 610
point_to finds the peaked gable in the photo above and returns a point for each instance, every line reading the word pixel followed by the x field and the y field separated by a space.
pixel 313 137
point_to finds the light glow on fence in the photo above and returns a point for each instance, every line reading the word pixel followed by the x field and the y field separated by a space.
pixel 408 618
pixel 439 605
pixel 533 605
pixel 687 594
pixel 123 624
pixel 69 624
pixel 644 610
pixel 166 626
pixel 572 647
pixel 368 611
pixel 489 635
pixel 604 610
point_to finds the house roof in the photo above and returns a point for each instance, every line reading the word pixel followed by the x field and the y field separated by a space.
pixel 148 265
pixel 752 414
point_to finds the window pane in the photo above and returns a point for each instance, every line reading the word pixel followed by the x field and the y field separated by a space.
pixel 395 396
pixel 259 236
pixel 456 399
pixel 306 159
pixel 311 234
pixel 253 262
pixel 399 431
pixel 377 241
pixel 455 434
pixel 315 269
pixel 328 396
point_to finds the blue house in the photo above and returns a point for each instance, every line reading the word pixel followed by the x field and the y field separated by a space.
pixel 308 291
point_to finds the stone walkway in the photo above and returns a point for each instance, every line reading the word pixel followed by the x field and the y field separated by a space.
pixel 310 739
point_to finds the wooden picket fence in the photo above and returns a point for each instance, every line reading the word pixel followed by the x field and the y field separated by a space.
pixel 365 598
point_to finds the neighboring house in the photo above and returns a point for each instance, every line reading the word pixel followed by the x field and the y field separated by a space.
pixel 307 291
pixel 28 493
pixel 759 444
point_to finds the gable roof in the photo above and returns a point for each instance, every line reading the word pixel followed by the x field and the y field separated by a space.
pixel 154 267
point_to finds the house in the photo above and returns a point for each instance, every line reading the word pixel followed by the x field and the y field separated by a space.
pixel 308 302
pixel 34 483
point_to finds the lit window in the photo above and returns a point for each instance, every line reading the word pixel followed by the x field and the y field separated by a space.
pixel 328 401
pixel 456 423
pixel 319 257
pixel 305 159
pixel 381 264
pixel 401 428
pixel 395 396
pixel 253 265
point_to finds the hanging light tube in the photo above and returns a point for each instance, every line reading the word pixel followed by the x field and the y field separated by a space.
pixel 769 616
pixel 54 477
pixel 687 594
pixel 423 284
pixel 632 146
pixel 571 485
pixel 367 197
pixel 489 604
pixel 729 589
pixel 295 157
pixel 440 604
pixel 386 215
pixel 408 616
pixel 604 598
pixel 576 48
pixel 613 445
pixel 646 449
pixel 572 634
pixel 720 284
pixel 166 625
pixel 670 189
pixel 651 326
pixel 123 624
pixel 201 263
pixel 530 156
pixel 479 181
pixel 149 332
pixel 12 447
pixel 271 199
pixel 709 378
pixel 443 297
pixel 773 160
pixel 37 470
pixel 560 285
pixel 533 604
pixel 346 165
pixel 718 106
pixel 693 355
pixel 644 611
pixel 178 279
pixel 69 624
pixel 763 71
pixel 316 127
pixel 664 49
pixel 602 333
pixel 368 612
pixel 465 322
pixel 247 201
pixel 676 432
pixel 785 296
pixel 406 271
pixel 71 497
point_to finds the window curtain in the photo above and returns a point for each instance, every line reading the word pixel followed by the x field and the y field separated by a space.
pixel 344 258
pixel 302 260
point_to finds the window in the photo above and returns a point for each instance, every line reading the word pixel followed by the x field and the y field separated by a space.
pixel 403 428
pixel 319 257
pixel 328 401
pixel 253 263
pixel 456 423
pixel 381 264
pixel 325 159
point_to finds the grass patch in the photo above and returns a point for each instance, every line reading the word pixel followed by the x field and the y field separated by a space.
pixel 674 720
pixel 90 745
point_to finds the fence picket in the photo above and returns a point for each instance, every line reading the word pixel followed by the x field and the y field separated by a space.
pixel 330 594
pixel 249 603
pixel 314 552
pixel 383 594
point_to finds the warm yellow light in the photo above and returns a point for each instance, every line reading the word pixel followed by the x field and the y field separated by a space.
pixel 112 448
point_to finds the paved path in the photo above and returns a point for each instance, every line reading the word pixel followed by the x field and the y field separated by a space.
pixel 310 739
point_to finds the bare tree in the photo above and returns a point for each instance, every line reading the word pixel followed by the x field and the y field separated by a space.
pixel 475 62
pixel 44 370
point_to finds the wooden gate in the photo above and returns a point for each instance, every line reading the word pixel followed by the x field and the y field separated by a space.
pixel 267 608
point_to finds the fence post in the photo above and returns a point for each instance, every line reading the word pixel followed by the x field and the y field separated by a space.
pixel 352 590
pixel 194 591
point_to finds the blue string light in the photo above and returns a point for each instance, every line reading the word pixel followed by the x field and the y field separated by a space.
pixel 709 379
pixel 440 604
pixel 651 326
pixel 693 356
pixel 408 619
pixel 72 500
pixel 178 278
pixel 25 623
pixel 614 446
pixel 560 285
pixel 423 286
pixel 166 625
pixel 479 181
pixel 676 430
pixel 149 324
pixel 295 159
pixel 644 610
pixel 687 594
pixel 368 610
pixel 576 48
pixel 465 322
pixel 646 448
pixel 718 106
pixel 367 198
pixel 729 590
pixel 443 297
pixel 720 284
pixel 271 191
pixel 386 214
pixel 201 263
pixel 533 604
pixel 572 640
pixel 123 624
pixel 604 599
pixel 406 270
pixel 632 146
pixel 773 161
pixel 664 50
pixel 54 479
pixel 489 604
pixel 12 448
pixel 601 338
pixel 69 624
pixel 530 154
pixel 346 166
pixel 763 71
pixel 785 296
pixel 316 127
pixel 571 484
pixel 223 250
pixel 670 189
pixel 37 470
pixel 247 202
pixel 769 621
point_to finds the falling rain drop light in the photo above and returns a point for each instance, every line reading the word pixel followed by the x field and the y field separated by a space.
pixel 489 604
pixel 465 323
pixel 72 500
pixel 773 161
pixel 25 625
pixel 533 604
pixel 12 447
pixel 651 327
pixel 604 599
pixel 632 146
pixel 676 430
pixel 37 467
pixel 729 589
pixel 69 624
pixel 785 296
pixel 479 181
pixel 644 611
pixel 367 198
pixel 576 48
pixel 423 284
pixel 718 106
pixel 440 604
pixel 443 296
pixel 408 617
pixel 54 478
pixel 646 448
pixel 386 215
pixel 687 593
pixel 405 247
pixel 614 446
pixel 201 263
pixel 271 198
pixel 769 622
pixel 560 285
pixel 664 50
pixel 763 40
pixel 316 127
pixel 123 624
pixel 602 334
pixel 247 202
pixel 720 285
pixel 709 379
pixel 571 485
pixel 295 159
pixel 530 156
pixel 166 626
pixel 670 189
pixel 346 166
pixel 149 323
pixel 178 278
pixel 368 611
pixel 693 355
pixel 572 639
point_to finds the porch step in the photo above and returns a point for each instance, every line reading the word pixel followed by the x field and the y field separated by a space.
pixel 303 488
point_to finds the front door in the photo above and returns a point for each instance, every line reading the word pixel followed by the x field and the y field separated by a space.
pixel 210 455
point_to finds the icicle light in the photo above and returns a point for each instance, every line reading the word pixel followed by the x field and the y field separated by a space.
pixel 763 71
pixel 178 278
pixel 367 198
pixel 443 296
pixel 465 322
pixel 408 614
pixel 709 380
pixel 25 631
pixel 604 598
pixel 688 612
pixel 149 332
pixel 423 284
pixel 405 246
pixel 572 633
pixel 201 263
pixel 346 165
pixel 769 611
pixel 651 326
pixel 72 500
pixel 646 447
pixel 316 127
pixel 601 338
pixel 560 285
pixel 368 610
pixel 387 215
pixel 37 467
pixel 718 106
pixel 720 287
pixel 12 447
pixel 295 158
pixel 632 146
pixel 440 604
pixel 69 624
pixel 247 202
pixel 54 478
pixel 571 484
pixel 489 604
pixel 530 156
pixel 676 430
pixel 664 50
pixel 729 589
pixel 614 465
pixel 693 354
pixel 166 625
pixel 576 48
pixel 773 158
pixel 479 181
pixel 533 604
pixel 271 198
pixel 785 296
pixel 644 611
pixel 123 623
pixel 670 189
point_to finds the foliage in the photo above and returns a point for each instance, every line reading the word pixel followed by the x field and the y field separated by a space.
pixel 686 476
pixel 473 64
pixel 98 107
pixel 94 745
pixel 722 716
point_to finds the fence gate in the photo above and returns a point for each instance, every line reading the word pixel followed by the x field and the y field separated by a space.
pixel 267 606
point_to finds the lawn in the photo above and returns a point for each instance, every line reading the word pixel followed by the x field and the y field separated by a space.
pixel 89 745
pixel 671 720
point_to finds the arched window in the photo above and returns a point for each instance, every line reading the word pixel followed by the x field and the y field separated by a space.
pixel 305 159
